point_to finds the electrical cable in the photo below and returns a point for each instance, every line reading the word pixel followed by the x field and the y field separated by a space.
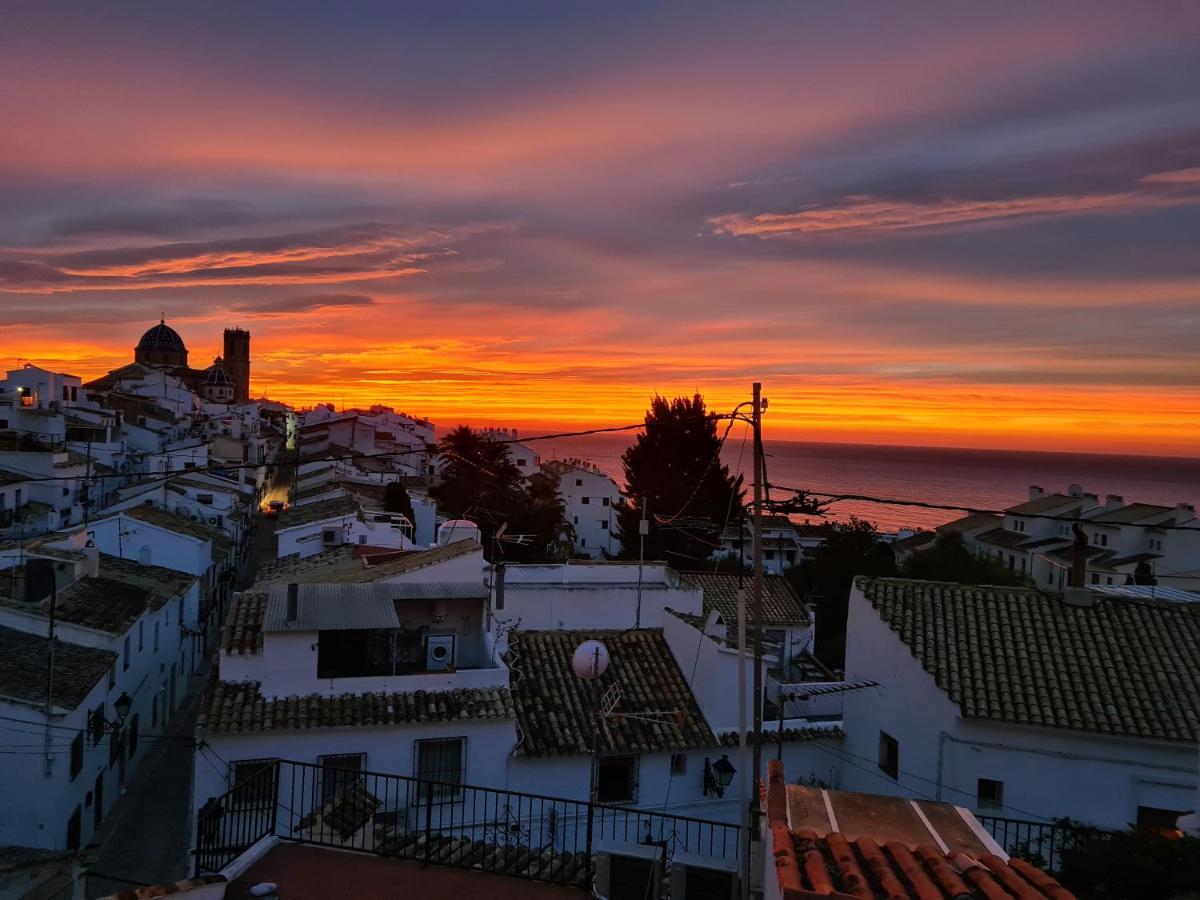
pixel 950 507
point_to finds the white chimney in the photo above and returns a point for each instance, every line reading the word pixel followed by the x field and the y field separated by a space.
pixel 1113 501
pixel 1075 490
pixel 1036 492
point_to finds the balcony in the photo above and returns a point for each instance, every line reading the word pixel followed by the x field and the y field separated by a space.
pixel 526 836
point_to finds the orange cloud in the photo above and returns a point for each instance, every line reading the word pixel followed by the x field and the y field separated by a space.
pixel 861 214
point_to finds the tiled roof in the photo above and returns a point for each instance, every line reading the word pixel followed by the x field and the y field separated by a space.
pixel 23 668
pixel 913 541
pixel 780 605
pixel 222 543
pixel 232 708
pixel 970 523
pixel 167 890
pixel 1134 512
pixel 343 564
pixel 887 847
pixel 114 599
pixel 1120 667
pixel 336 508
pixel 7 476
pixel 556 708
pixel 1049 503
pixel 1002 537
pixel 790 735
pixel 242 631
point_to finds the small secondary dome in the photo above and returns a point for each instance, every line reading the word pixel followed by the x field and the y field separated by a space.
pixel 216 374
pixel 162 338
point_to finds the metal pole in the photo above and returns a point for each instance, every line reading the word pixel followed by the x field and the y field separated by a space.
pixel 643 530
pixel 758 590
pixel 743 752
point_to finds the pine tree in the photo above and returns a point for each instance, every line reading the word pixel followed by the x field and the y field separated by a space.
pixel 674 469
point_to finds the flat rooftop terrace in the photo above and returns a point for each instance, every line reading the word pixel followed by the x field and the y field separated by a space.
pixel 306 872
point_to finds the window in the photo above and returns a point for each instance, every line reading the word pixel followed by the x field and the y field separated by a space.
pixel 125 658
pixel 96 724
pixel 578 482
pixel 604 524
pixel 141 636
pixel 583 542
pixel 340 774
pixel 114 747
pixel 74 394
pixel 617 779
pixel 254 782
pixel 112 676
pixel 576 520
pixel 329 535
pixel 76 755
pixel 678 763
pixel 133 735
pixel 441 761
pixel 989 793
pixel 1104 540
pixel 604 501
pixel 154 711
pixel 889 754
pixel 156 636
pixel 1050 576
pixel 1095 578
pixel 585 500
pixel 520 462
pixel 75 828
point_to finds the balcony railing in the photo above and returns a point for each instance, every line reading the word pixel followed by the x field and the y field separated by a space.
pixel 1045 843
pixel 528 836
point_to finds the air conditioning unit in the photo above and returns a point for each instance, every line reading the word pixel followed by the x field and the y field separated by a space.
pixel 439 652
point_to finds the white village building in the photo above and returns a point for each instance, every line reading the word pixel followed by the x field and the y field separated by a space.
pixel 591 501
pixel 1017 703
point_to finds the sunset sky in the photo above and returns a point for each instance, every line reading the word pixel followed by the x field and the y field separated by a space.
pixel 954 224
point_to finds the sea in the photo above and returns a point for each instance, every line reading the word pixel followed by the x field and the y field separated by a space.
pixel 986 479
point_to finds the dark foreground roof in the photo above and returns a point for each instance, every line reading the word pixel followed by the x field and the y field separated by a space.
pixel 780 603
pixel 556 708
pixel 23 669
pixel 231 708
pixel 1120 667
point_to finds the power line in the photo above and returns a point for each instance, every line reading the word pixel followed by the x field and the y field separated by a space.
pixel 958 507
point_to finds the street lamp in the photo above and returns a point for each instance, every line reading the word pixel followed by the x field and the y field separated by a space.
pixel 121 707
pixel 718 775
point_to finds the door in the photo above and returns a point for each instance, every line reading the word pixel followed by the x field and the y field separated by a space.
pixel 98 809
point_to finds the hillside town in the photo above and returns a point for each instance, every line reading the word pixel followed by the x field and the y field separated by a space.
pixel 291 617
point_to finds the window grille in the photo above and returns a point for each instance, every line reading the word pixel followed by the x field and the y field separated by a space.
pixel 441 761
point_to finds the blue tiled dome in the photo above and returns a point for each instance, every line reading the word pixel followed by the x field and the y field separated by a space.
pixel 162 338
pixel 216 374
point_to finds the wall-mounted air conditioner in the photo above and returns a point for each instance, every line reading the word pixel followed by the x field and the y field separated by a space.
pixel 439 652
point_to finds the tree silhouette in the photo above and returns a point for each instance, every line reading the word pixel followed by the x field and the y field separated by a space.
pixel 674 469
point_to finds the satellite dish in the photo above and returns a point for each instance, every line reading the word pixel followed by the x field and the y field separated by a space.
pixel 590 660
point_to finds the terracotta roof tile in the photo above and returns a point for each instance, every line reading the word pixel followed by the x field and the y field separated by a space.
pixel 781 605
pixel 1120 667
pixel 813 861
pixel 232 708
pixel 23 668
pixel 556 708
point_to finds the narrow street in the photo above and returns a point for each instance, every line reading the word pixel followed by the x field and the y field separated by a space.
pixel 146 836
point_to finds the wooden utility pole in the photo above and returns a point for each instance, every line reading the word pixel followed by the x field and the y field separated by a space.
pixel 757 594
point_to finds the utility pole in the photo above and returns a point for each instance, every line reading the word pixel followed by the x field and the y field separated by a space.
pixel 757 608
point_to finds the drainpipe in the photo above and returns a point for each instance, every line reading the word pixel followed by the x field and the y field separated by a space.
pixel 941 752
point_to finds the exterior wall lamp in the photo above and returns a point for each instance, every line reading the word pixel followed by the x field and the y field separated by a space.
pixel 718 775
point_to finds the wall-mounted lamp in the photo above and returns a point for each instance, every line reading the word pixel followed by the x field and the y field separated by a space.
pixel 718 775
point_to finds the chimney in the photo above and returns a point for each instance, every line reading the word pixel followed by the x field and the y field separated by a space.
pixel 1079 557
pixel 1075 490
pixel 1036 492
pixel 1094 498
pixel 293 603
pixel 1113 501
pixel 91 567
pixel 1187 512
pixel 499 572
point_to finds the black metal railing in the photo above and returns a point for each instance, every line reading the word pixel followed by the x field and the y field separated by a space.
pixel 529 836
pixel 1045 843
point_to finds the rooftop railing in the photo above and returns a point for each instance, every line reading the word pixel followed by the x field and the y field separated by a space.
pixel 530 836
pixel 1045 843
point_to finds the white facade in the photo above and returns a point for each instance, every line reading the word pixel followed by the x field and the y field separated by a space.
pixel 1046 773
pixel 153 665
pixel 574 595
pixel 590 504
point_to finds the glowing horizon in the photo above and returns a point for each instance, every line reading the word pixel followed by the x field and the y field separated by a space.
pixel 969 228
